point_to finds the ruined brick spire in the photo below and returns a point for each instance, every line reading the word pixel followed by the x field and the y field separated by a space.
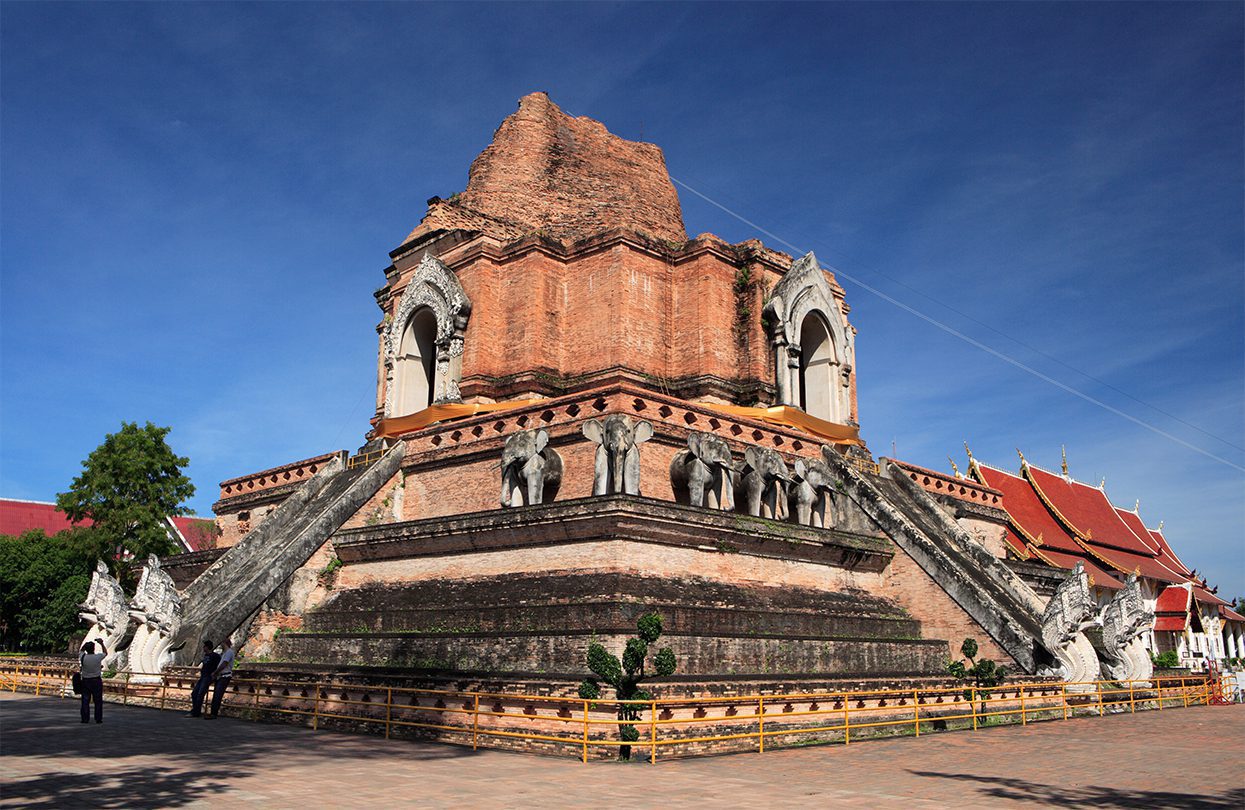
pixel 567 177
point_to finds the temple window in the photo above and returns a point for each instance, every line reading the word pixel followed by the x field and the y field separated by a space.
pixel 817 367
pixel 416 362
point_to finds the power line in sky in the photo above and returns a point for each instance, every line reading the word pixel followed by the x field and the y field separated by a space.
pixel 966 338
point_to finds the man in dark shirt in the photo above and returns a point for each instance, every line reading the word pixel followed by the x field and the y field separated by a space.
pixel 206 669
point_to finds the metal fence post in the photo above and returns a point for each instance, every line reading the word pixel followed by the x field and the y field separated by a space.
pixel 916 713
pixel 164 688
pixel 652 724
pixel 315 717
pixel 1132 698
pixel 125 689
pixel 585 731
pixel 475 722
pixel 761 717
pixel 38 681
pixel 389 711
pixel 972 705
pixel 847 721
pixel 1098 690
pixel 1023 719
pixel 1159 681
pixel 1184 691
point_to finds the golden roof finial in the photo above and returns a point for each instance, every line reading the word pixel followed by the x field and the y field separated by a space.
pixel 1103 483
pixel 1137 507
pixel 1160 525
pixel 969 451
pixel 1024 462
pixel 957 469
pixel 1064 450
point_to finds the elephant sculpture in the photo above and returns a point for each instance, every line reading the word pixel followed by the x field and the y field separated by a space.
pixel 530 469
pixel 764 481
pixel 703 474
pixel 812 493
pixel 618 440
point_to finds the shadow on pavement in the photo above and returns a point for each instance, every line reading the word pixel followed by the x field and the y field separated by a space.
pixel 135 787
pixel 1093 796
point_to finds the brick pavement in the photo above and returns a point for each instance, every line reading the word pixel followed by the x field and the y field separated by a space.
pixel 1187 758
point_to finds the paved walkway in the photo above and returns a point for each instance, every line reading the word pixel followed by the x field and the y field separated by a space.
pixel 1186 758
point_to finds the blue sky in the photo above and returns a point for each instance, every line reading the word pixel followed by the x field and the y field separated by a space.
pixel 197 200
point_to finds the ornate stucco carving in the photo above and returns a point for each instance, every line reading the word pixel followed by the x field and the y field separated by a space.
pixel 1070 612
pixel 107 611
pixel 434 286
pixel 157 610
pixel 802 290
pixel 1124 624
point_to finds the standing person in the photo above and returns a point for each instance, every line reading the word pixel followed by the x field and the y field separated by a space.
pixel 91 669
pixel 207 668
pixel 224 671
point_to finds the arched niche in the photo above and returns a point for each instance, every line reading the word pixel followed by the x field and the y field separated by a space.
pixel 415 366
pixel 813 345
pixel 424 341
pixel 818 365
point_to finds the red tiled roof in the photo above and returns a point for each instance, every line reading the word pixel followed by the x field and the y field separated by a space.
pixel 17 517
pixel 1168 555
pixel 1032 519
pixel 1016 542
pixel 1230 615
pixel 1173 600
pixel 1097 574
pixel 1086 512
pixel 1171 623
pixel 1204 596
pixel 1133 521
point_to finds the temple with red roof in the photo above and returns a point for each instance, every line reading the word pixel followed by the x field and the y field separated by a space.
pixel 1044 523
pixel 191 533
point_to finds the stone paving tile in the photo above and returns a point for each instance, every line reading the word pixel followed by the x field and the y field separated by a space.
pixel 1186 758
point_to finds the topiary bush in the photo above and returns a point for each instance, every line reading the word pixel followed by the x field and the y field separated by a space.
pixel 625 675
pixel 983 674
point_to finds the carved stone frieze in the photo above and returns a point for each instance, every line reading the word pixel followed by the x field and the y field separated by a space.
pixel 107 612
pixel 157 611
pixel 1124 624
pixel 1070 612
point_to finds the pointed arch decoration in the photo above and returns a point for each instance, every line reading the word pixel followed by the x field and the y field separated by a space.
pixel 802 293
pixel 433 286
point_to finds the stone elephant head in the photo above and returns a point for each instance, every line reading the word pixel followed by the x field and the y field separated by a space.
pixel 618 440
pixel 702 475
pixel 530 469
pixel 765 480
pixel 812 493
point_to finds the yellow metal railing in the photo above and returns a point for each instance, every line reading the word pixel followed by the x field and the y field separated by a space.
pixel 364 459
pixel 678 726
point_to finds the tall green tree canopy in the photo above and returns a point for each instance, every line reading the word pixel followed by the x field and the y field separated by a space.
pixel 128 486
pixel 42 581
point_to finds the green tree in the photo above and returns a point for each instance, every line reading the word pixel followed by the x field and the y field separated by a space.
pixel 625 676
pixel 128 487
pixel 42 581
pixel 983 674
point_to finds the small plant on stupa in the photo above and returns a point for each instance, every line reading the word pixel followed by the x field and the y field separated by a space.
pixel 983 674
pixel 625 676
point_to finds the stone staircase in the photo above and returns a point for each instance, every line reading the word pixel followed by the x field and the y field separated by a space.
pixel 978 581
pixel 217 602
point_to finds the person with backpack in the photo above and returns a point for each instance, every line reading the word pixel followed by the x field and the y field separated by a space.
pixel 206 669
pixel 91 671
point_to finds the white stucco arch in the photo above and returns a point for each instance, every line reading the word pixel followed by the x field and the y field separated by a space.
pixel 802 293
pixel 424 341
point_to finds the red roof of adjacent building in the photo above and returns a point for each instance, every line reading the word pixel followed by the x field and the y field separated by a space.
pixel 1173 599
pixel 1230 615
pixel 1172 624
pixel 17 517
pixel 1086 512
pixel 1033 526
